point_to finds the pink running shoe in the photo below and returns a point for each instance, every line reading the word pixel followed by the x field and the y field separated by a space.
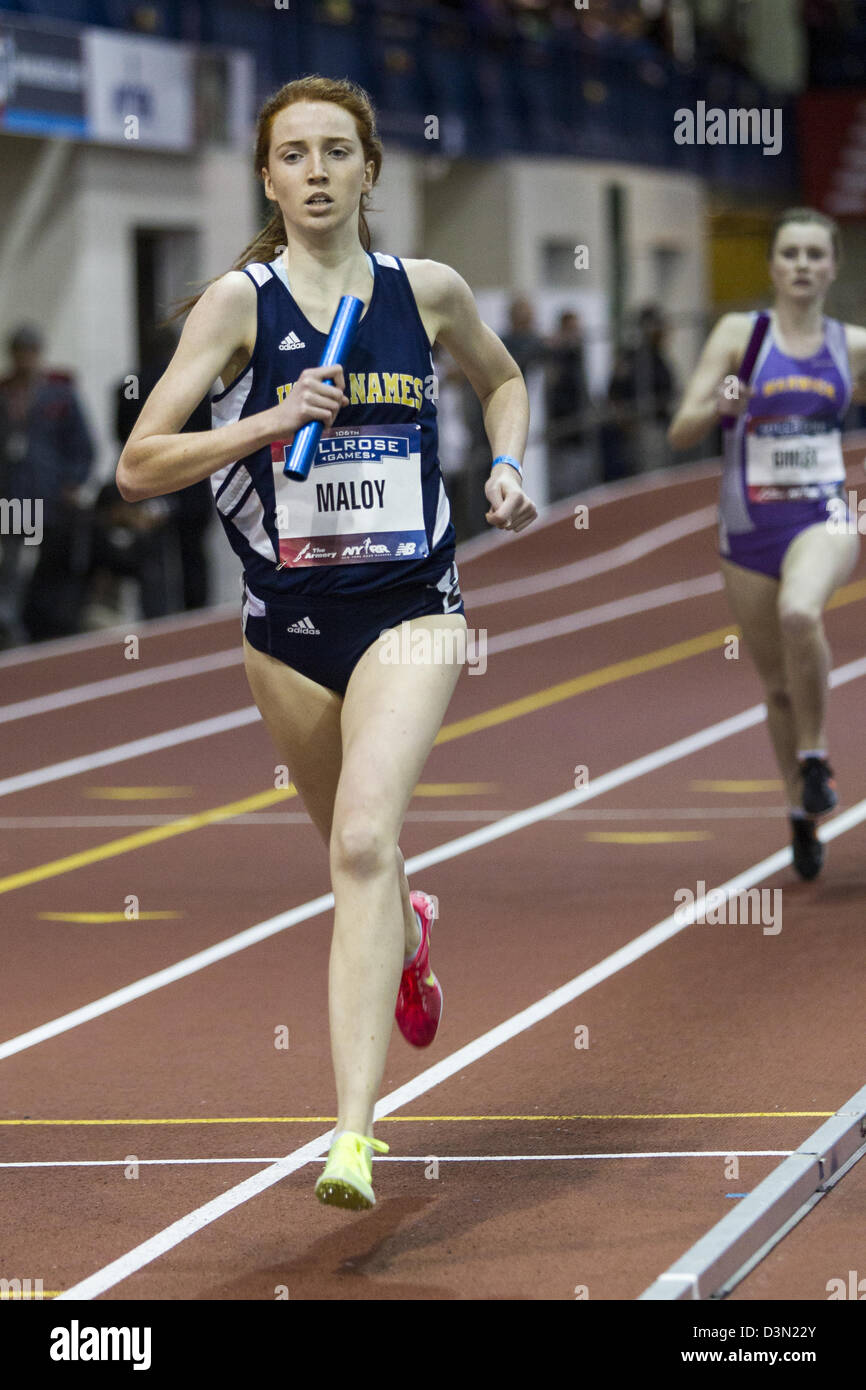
pixel 419 1002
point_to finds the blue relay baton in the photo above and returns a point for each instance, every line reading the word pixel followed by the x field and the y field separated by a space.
pixel 337 348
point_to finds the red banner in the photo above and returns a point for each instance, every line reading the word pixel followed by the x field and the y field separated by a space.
pixel 832 131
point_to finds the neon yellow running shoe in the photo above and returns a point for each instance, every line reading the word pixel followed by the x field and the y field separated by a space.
pixel 348 1174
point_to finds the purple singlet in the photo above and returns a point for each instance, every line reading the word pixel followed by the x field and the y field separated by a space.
pixel 783 461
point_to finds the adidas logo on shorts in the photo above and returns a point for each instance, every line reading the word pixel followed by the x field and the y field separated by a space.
pixel 304 625
pixel 290 341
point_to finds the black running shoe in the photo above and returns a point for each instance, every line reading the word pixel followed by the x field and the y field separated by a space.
pixel 808 849
pixel 819 789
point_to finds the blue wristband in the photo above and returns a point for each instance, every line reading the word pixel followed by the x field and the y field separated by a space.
pixel 506 458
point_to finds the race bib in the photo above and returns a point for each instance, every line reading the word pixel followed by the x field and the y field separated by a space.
pixel 361 502
pixel 793 459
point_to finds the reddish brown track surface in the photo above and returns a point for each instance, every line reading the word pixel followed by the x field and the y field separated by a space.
pixel 719 1039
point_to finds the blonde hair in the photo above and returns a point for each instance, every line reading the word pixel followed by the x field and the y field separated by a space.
pixel 801 215
pixel 342 92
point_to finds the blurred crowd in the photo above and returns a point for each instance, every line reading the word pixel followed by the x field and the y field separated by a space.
pixel 836 41
pixel 67 545
pixel 588 437
pixel 626 21
pixel 699 34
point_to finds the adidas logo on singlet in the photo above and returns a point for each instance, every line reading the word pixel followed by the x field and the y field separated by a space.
pixel 290 341
pixel 304 625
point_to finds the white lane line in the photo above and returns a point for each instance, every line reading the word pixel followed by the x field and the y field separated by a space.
pixel 151 627
pixel 122 752
pixel 736 1244
pixel 413 1158
pixel 179 1231
pixel 625 554
pixel 605 613
pixel 168 976
pixel 205 728
pixel 478 546
pixel 467 551
pixel 507 825
pixel 599 496
pixel 536 632
pixel 118 685
pixel 253 818
pixel 484 835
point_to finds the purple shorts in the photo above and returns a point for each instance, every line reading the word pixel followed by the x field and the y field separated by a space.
pixel 763 550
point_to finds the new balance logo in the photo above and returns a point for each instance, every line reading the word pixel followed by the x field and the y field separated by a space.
pixel 304 625
pixel 290 341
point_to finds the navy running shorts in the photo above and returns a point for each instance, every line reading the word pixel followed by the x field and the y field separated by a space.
pixel 325 637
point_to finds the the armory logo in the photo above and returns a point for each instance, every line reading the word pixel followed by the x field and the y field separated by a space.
pixel 75 1343
pixel 737 126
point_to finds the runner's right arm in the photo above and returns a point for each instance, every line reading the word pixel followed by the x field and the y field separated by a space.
pixel 157 458
pixel 704 400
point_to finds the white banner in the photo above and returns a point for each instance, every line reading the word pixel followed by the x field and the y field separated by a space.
pixel 140 91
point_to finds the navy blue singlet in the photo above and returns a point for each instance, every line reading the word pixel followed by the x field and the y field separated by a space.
pixel 373 514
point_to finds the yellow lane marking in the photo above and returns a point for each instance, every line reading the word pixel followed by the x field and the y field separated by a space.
pixel 136 793
pixel 564 690
pixel 31 1293
pixel 150 836
pixel 455 788
pixel 646 837
pixel 849 593
pixel 620 670
pixel 444 1119
pixel 767 785
pixel 106 916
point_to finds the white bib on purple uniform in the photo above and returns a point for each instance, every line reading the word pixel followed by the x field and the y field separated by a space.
pixel 787 457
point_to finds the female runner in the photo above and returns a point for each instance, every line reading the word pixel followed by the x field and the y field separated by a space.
pixel 360 548
pixel 785 536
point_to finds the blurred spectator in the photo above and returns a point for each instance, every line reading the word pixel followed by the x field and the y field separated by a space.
pixel 192 508
pixel 477 461
pixel 526 346
pixel 567 400
pixel 721 40
pixel 827 24
pixel 129 540
pixel 46 452
pixel 145 19
pixel 641 375
pixel 567 395
pixel 641 392
pixel 455 441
